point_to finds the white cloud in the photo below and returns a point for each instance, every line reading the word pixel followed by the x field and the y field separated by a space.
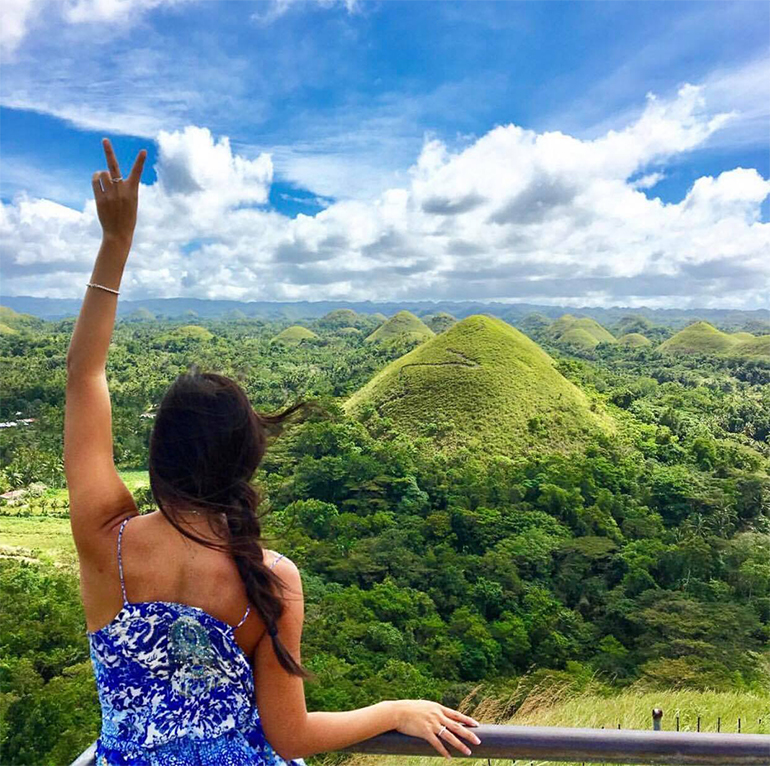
pixel 278 8
pixel 19 16
pixel 648 181
pixel 515 215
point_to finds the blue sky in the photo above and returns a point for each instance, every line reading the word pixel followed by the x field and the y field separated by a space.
pixel 343 96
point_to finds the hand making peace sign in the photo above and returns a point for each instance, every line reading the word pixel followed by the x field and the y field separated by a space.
pixel 116 197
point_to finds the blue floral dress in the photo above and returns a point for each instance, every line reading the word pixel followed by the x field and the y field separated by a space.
pixel 175 689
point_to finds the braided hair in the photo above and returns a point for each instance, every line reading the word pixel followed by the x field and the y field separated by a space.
pixel 207 441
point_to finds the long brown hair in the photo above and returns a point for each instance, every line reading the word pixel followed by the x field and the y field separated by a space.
pixel 206 444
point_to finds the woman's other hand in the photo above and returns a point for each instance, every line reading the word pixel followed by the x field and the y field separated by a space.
pixel 116 201
pixel 423 718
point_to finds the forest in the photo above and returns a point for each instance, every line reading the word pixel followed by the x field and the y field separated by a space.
pixel 477 509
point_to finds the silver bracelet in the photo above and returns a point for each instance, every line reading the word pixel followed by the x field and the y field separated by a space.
pixel 93 284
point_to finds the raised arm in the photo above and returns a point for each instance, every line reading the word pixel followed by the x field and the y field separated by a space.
pixel 98 496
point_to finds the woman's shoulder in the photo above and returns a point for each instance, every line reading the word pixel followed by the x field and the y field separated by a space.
pixel 273 558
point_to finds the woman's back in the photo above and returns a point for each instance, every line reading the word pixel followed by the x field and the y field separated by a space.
pixel 175 685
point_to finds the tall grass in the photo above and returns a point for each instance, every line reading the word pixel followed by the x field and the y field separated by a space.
pixel 558 700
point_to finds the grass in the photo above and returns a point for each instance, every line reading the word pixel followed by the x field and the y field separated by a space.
pixel 37 537
pixel 293 336
pixel 37 527
pixel 403 323
pixel 484 385
pixel 634 340
pixel 554 705
pixel 187 332
pixel 703 338
pixel 583 332
pixel 339 318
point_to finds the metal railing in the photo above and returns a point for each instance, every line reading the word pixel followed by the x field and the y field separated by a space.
pixel 581 746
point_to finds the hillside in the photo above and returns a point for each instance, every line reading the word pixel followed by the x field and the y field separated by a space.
pixel 481 383
pixel 402 324
pixel 704 338
pixel 634 340
pixel 293 336
pixel 185 334
pixel 439 322
pixel 13 321
pixel 583 332
pixel 338 318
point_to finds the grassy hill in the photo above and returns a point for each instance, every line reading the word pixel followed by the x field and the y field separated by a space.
pixel 439 322
pixel 293 336
pixel 634 340
pixel 185 333
pixel 14 321
pixel 481 384
pixel 704 338
pixel 581 332
pixel 403 323
pixel 755 347
pixel 338 318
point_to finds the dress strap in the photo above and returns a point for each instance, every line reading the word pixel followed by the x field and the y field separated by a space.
pixel 243 619
pixel 248 608
pixel 120 560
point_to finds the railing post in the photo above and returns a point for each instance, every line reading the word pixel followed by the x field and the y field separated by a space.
pixel 657 714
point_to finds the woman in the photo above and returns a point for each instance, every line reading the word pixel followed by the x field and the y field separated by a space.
pixel 193 626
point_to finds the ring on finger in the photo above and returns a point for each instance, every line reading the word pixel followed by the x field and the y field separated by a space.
pixel 441 731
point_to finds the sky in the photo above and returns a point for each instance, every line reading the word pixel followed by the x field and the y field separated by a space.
pixel 601 153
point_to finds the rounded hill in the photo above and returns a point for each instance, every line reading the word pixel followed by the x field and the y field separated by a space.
pixel 187 332
pixel 704 338
pixel 405 323
pixel 485 385
pixel 339 318
pixel 293 336
pixel 634 340
pixel 582 332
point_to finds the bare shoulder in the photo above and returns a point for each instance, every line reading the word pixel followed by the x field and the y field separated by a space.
pixel 279 561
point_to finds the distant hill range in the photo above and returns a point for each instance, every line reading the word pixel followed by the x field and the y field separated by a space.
pixel 514 313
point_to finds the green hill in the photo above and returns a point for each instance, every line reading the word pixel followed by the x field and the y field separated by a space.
pixel 485 385
pixel 15 321
pixel 293 336
pixel 403 323
pixel 634 340
pixel 704 338
pixel 534 324
pixel 5 330
pixel 188 332
pixel 339 318
pixel 349 331
pixel 143 314
pixel 583 332
pixel 439 322
pixel 633 324
pixel 755 347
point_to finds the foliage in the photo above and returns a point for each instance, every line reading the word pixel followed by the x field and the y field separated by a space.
pixel 477 517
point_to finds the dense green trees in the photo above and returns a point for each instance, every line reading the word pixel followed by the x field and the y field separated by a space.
pixel 643 557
